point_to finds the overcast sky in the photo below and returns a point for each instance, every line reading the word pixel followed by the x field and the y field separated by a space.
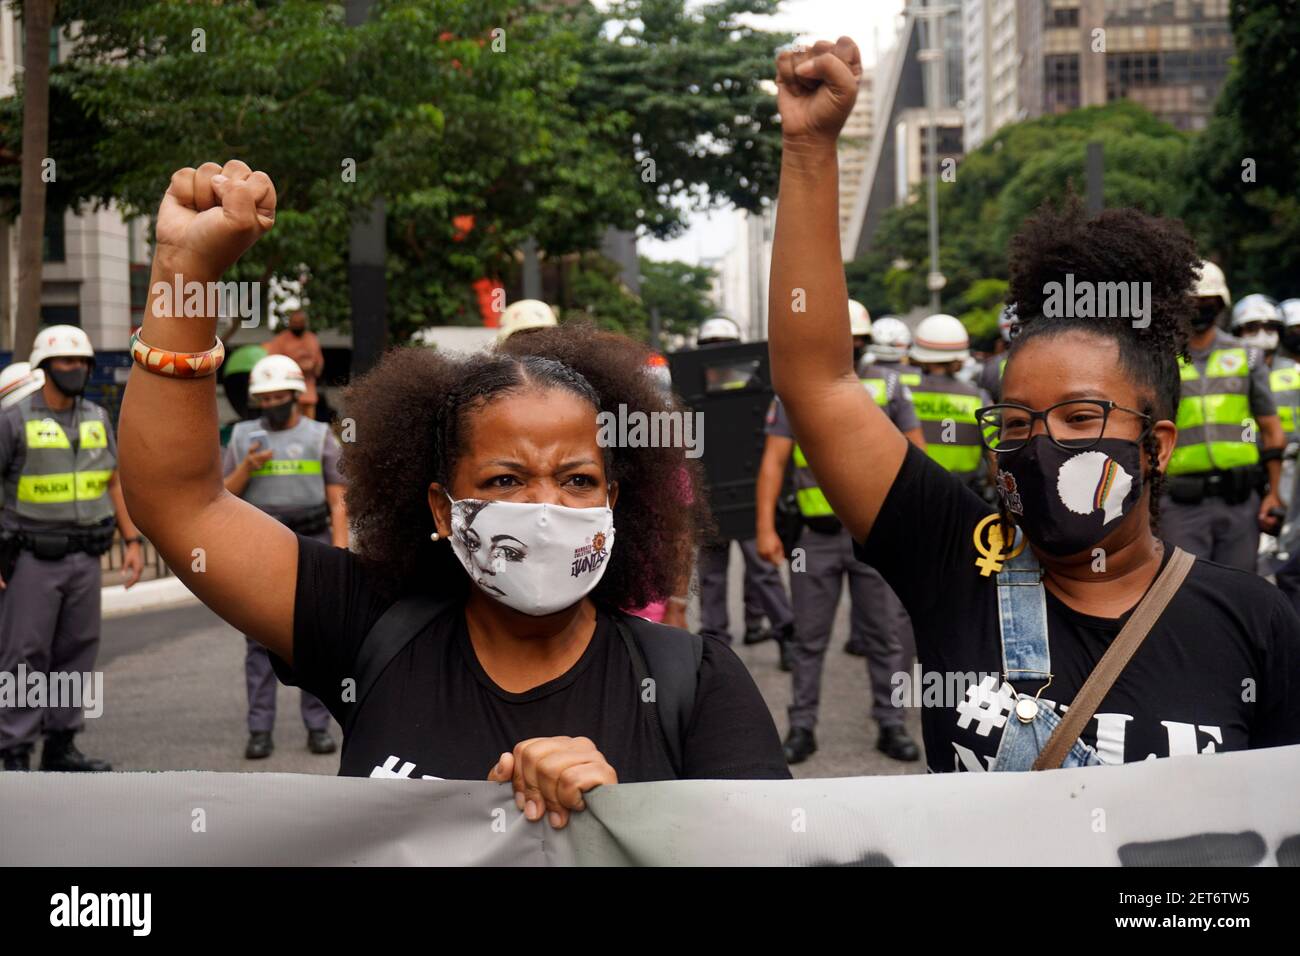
pixel 871 23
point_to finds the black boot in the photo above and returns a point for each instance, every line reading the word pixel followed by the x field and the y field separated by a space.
pixel 60 754
pixel 259 745
pixel 785 638
pixel 800 744
pixel 320 742
pixel 757 634
pixel 17 758
pixel 894 742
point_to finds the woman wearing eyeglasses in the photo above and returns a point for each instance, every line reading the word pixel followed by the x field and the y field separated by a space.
pixel 1079 445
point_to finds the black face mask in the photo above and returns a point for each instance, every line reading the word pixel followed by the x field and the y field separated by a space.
pixel 1066 501
pixel 1291 341
pixel 71 382
pixel 1204 317
pixel 278 415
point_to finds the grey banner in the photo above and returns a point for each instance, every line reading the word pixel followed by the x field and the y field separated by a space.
pixel 1227 809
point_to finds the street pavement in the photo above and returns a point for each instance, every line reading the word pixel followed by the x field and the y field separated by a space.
pixel 174 699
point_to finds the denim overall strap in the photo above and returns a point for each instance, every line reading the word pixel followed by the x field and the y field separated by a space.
pixel 1022 618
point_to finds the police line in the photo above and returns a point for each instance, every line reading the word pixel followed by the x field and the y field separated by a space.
pixel 1233 809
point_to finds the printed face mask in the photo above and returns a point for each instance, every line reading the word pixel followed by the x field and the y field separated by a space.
pixel 1066 501
pixel 535 558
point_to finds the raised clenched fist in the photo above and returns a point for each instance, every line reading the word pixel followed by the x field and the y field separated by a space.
pixel 816 89
pixel 210 216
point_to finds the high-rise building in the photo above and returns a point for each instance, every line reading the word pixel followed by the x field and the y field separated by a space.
pixel 1171 56
pixel 899 151
pixel 990 68
pixel 855 150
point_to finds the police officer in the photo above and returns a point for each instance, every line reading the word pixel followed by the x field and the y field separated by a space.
pixel 990 377
pixel 1257 320
pixel 287 465
pixel 764 592
pixel 58 461
pixel 1211 507
pixel 883 345
pixel 890 340
pixel 946 406
pixel 826 556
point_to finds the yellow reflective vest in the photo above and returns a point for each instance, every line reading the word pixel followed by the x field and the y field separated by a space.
pixel 1215 427
pixel 59 484
pixel 812 503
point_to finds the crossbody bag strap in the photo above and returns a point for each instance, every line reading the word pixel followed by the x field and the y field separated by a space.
pixel 1117 656
pixel 404 621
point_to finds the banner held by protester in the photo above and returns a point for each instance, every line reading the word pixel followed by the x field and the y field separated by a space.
pixel 1229 809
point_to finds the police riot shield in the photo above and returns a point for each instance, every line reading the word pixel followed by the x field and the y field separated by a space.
pixel 731 386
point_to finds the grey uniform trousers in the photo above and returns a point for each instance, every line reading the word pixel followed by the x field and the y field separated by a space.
pixel 875 611
pixel 261 682
pixel 764 591
pixel 262 685
pixel 49 623
pixel 1214 530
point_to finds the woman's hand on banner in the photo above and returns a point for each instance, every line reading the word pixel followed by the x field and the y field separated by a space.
pixel 550 775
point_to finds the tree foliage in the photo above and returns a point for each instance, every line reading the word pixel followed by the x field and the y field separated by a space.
pixel 1001 183
pixel 1244 188
pixel 535 122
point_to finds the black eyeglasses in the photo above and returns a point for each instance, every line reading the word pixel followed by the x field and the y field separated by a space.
pixel 1074 425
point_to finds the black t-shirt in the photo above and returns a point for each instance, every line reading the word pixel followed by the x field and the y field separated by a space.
pixel 434 712
pixel 1219 671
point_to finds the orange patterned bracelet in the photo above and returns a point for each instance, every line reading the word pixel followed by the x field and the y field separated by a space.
pixel 177 364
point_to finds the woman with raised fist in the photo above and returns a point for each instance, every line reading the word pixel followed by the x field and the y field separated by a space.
pixel 475 632
pixel 1090 641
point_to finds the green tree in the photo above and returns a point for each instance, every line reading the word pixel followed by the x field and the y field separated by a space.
pixel 532 120
pixel 1004 181
pixel 591 290
pixel 1243 198
pixel 980 306
pixel 680 292
pixel 684 91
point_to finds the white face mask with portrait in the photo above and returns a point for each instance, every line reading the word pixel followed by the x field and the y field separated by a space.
pixel 535 558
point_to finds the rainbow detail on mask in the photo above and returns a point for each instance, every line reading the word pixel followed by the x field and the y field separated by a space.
pixel 1109 472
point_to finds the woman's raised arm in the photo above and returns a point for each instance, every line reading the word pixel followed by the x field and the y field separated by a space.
pixel 241 562
pixel 851 445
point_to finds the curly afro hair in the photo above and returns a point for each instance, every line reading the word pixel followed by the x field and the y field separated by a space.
pixel 1118 245
pixel 412 413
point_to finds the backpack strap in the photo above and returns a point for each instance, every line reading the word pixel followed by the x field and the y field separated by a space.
pixel 397 627
pixel 669 658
